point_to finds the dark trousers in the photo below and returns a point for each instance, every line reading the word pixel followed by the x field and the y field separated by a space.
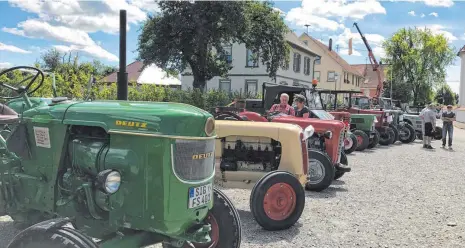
pixel 447 128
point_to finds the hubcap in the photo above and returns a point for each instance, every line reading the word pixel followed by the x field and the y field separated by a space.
pixel 214 233
pixel 316 172
pixel 279 202
pixel 348 143
pixel 359 139
pixel 404 133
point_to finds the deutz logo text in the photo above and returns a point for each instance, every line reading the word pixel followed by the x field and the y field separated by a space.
pixel 131 124
pixel 202 155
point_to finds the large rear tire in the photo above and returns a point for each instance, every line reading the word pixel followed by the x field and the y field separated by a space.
pixel 396 133
pixel 437 133
pixel 350 143
pixel 277 201
pixel 320 171
pixel 374 141
pixel 60 237
pixel 406 133
pixel 344 161
pixel 225 222
pixel 362 139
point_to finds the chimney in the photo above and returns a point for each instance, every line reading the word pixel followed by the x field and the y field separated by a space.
pixel 330 46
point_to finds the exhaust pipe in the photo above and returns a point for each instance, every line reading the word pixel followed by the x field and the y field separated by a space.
pixel 122 78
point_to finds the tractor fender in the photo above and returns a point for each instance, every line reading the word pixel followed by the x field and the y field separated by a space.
pixel 38 228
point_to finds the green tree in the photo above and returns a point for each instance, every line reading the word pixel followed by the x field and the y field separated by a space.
pixel 194 34
pixel 418 60
pixel 444 95
pixel 51 59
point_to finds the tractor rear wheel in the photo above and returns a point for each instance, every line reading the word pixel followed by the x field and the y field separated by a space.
pixel 277 201
pixel 320 171
pixel 374 141
pixel 362 140
pixel 344 161
pixel 61 237
pixel 350 143
pixel 225 223
pixel 396 133
pixel 386 136
pixel 406 133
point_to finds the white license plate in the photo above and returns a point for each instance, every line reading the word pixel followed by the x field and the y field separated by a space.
pixel 199 196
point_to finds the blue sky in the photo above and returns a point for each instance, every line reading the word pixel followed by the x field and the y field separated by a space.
pixel 28 28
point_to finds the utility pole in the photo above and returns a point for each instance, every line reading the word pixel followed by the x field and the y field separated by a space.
pixel 307 25
pixel 392 80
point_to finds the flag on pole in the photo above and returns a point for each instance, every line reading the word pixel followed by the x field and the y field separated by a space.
pixel 350 46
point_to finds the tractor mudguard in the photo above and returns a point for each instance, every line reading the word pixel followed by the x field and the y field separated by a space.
pixel 38 228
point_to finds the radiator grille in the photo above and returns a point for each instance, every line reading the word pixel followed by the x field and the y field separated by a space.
pixel 194 159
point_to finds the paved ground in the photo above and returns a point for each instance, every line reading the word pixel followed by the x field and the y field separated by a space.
pixel 401 196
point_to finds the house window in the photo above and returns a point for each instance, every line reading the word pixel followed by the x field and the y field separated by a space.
pixel 251 86
pixel 252 59
pixel 353 79
pixel 316 76
pixel 318 61
pixel 228 52
pixel 296 62
pixel 306 65
pixel 225 85
pixel 331 76
pixel 295 83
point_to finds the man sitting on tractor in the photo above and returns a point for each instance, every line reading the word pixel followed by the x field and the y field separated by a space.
pixel 283 106
pixel 301 110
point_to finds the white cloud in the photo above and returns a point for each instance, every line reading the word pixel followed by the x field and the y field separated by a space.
pixel 4 65
pixel 343 39
pixel 10 48
pixel 346 52
pixel 432 3
pixel 434 14
pixel 281 13
pixel 412 13
pixel 318 12
pixel 92 51
pixel 379 51
pixel 439 29
pixel 453 77
pixel 422 15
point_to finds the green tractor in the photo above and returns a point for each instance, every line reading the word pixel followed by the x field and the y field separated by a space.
pixel 362 126
pixel 110 173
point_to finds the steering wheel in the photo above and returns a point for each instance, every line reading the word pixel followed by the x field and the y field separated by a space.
pixel 31 80
pixel 228 116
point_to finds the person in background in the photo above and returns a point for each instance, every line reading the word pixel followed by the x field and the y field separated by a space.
pixel 422 112
pixel 429 119
pixel 448 118
pixel 301 110
pixel 283 106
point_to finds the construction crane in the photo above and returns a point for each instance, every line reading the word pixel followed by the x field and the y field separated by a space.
pixel 374 63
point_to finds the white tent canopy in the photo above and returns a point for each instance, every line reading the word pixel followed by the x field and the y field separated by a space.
pixel 155 75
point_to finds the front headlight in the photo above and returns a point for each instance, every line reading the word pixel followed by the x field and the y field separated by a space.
pixel 308 132
pixel 110 180
pixel 375 119
pixel 210 126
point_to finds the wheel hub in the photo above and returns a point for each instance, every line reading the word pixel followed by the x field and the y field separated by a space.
pixel 280 201
pixel 348 143
pixel 316 171
pixel 214 234
pixel 359 139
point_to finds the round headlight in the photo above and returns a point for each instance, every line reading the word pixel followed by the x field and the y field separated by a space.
pixel 210 126
pixel 110 180
pixel 308 132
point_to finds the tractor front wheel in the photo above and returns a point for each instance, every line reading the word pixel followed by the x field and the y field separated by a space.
pixel 437 135
pixel 396 133
pixel 60 237
pixel 320 171
pixel 350 143
pixel 406 133
pixel 277 201
pixel 344 161
pixel 374 141
pixel 362 140
pixel 386 136
pixel 225 224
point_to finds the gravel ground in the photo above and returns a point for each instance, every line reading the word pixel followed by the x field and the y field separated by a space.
pixel 401 196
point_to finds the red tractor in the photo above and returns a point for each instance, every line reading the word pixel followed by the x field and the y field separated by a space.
pixel 327 160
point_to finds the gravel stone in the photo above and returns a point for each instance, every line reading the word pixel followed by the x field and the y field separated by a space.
pixel 396 196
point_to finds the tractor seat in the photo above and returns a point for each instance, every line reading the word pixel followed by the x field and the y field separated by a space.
pixel 7 115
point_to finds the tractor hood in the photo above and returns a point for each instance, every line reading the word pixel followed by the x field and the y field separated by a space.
pixel 163 118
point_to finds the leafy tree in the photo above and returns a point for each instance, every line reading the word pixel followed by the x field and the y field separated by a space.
pixel 418 59
pixel 193 34
pixel 51 59
pixel 444 95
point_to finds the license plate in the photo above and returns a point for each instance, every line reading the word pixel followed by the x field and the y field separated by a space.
pixel 199 196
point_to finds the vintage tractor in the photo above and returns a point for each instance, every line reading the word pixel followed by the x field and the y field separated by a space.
pixel 406 131
pixel 91 164
pixel 411 116
pixel 272 160
pixel 362 126
pixel 325 145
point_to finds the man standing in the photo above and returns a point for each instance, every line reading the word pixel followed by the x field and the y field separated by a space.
pixel 283 106
pixel 423 124
pixel 448 119
pixel 429 120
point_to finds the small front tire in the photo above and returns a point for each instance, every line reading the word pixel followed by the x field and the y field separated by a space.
pixel 320 171
pixel 374 141
pixel 350 143
pixel 396 133
pixel 362 140
pixel 277 201
pixel 344 161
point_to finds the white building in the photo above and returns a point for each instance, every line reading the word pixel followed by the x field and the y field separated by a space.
pixel 245 76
